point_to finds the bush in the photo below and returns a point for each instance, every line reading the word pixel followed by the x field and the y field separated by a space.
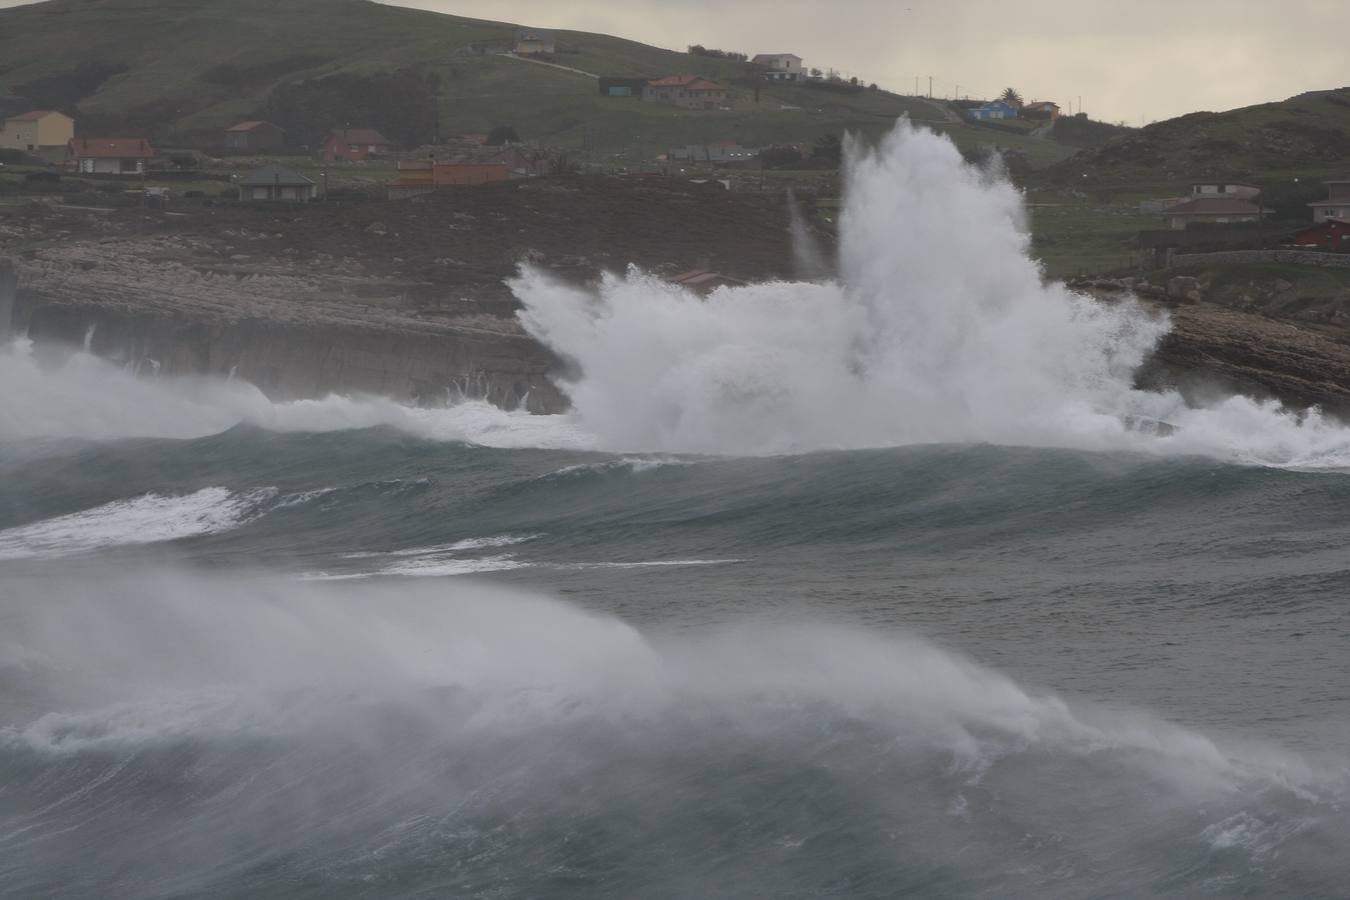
pixel 229 193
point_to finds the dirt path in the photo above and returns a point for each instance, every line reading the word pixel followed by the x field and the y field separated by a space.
pixel 540 62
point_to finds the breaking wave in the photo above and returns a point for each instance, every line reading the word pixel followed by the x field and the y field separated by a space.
pixel 446 737
pixel 148 519
pixel 938 328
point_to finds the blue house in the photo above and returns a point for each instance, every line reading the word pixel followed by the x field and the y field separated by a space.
pixel 996 110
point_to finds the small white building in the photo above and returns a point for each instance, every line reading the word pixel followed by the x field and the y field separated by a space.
pixel 1337 204
pixel 535 42
pixel 780 66
pixel 1224 189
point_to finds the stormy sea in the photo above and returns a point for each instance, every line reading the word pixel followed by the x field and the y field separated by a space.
pixel 869 587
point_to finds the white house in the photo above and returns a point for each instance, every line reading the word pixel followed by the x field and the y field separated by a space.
pixel 780 66
pixel 110 156
pixel 1337 204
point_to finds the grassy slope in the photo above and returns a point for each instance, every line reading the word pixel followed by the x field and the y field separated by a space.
pixel 1306 137
pixel 172 46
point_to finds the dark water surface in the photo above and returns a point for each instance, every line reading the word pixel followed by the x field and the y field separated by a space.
pixel 363 664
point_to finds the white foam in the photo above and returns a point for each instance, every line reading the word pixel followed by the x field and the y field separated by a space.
pixel 524 659
pixel 939 329
pixel 147 519
pixel 656 563
pixel 440 566
pixel 501 540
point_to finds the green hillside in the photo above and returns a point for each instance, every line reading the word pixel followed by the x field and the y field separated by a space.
pixel 179 70
pixel 1306 137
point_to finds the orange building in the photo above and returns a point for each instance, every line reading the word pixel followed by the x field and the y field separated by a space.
pixel 420 176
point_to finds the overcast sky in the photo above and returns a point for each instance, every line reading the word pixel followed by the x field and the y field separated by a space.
pixel 1129 60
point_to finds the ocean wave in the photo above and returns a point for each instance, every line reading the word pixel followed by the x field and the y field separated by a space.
pixel 148 519
pixel 380 731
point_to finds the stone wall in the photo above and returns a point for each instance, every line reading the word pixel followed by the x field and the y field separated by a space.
pixel 1249 257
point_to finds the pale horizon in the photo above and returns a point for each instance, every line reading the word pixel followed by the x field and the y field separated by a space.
pixel 1150 60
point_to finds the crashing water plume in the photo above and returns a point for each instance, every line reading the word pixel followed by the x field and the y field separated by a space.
pixel 939 328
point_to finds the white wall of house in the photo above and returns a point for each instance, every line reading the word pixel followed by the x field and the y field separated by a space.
pixel 1222 189
pixel 112 166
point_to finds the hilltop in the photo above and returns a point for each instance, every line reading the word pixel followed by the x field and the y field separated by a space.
pixel 179 70
pixel 1305 137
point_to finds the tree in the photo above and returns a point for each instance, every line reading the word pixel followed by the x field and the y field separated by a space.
pixel 853 81
pixel 1011 97
pixel 502 134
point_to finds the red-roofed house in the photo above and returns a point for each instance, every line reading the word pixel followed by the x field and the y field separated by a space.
pixel 110 156
pixel 34 130
pixel 254 137
pixel 688 91
pixel 355 144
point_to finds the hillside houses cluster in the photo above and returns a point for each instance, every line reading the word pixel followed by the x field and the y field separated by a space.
pixel 1229 215
pixel 999 110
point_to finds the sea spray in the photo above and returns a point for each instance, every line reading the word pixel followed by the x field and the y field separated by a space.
pixel 209 733
pixel 940 328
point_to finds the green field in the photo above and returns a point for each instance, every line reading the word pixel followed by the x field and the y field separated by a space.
pixel 182 69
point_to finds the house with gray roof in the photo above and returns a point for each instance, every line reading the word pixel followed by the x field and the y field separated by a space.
pixel 276 183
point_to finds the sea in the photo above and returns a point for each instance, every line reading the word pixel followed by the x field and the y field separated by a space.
pixel 871 586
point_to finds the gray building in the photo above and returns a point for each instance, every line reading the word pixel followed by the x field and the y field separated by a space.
pixel 276 183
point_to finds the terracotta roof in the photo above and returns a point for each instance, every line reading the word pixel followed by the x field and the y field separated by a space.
pixel 111 148
pixel 35 115
pixel 359 136
pixel 675 81
pixel 704 85
pixel 248 126
pixel 1040 104
pixel 1215 206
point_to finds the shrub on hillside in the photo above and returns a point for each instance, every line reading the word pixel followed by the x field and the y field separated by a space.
pixel 400 105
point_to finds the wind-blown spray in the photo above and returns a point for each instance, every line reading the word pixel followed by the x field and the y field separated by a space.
pixel 939 328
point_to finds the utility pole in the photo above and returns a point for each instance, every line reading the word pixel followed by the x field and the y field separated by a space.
pixel 958 93
pixel 916 86
pixel 930 87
